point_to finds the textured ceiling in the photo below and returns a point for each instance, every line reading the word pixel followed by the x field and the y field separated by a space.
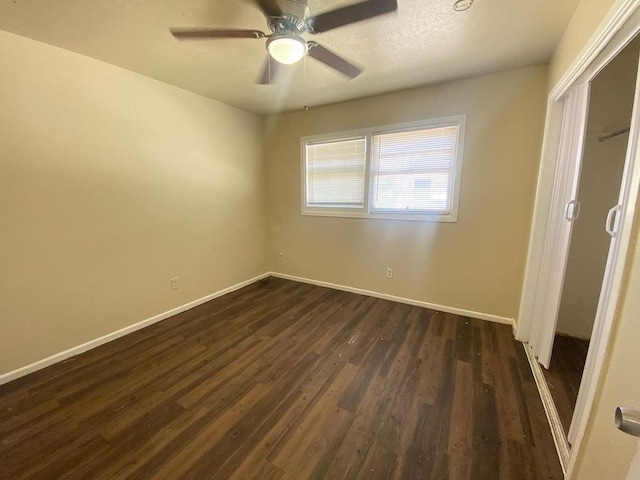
pixel 425 41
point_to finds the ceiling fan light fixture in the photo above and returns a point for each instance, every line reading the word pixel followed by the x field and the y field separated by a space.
pixel 287 49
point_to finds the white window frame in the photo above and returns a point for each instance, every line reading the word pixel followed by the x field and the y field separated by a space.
pixel 367 211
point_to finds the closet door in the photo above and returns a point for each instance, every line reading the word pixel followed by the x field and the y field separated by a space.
pixel 565 208
pixel 618 225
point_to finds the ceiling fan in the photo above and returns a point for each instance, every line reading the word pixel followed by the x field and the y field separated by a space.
pixel 288 20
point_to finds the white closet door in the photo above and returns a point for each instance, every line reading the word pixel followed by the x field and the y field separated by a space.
pixel 618 225
pixel 564 210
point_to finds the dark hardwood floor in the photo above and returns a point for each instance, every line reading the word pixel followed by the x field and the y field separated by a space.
pixel 565 374
pixel 286 380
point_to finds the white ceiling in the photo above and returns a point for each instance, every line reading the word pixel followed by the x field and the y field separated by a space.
pixel 425 41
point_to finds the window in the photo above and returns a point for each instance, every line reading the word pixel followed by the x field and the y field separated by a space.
pixel 335 173
pixel 409 172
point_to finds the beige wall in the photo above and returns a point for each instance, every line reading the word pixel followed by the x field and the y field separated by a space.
pixel 584 22
pixel 475 264
pixel 110 184
pixel 610 105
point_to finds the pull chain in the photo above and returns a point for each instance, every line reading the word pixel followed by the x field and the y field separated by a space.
pixel 305 92
pixel 270 79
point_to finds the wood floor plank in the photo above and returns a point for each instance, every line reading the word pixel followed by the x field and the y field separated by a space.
pixel 141 460
pixel 431 370
pixel 313 461
pixel 521 400
pixel 312 392
pixel 379 464
pixel 459 440
pixel 199 444
pixel 227 456
pixel 357 388
pixel 284 380
pixel 348 460
pixel 419 459
pixel 486 439
pixel 510 417
pixel 303 435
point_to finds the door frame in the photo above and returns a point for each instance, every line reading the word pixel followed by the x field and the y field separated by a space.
pixel 620 25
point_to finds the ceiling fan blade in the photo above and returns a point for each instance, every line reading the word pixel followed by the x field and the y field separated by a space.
pixel 334 61
pixel 269 71
pixel 269 7
pixel 350 14
pixel 213 33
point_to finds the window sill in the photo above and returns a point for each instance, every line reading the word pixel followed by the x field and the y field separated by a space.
pixel 406 217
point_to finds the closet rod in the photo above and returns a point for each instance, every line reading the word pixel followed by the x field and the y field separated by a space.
pixel 613 134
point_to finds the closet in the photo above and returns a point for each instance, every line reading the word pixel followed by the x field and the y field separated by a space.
pixel 598 190
pixel 586 200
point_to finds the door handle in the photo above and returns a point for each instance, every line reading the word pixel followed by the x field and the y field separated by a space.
pixel 628 420
pixel 572 210
pixel 611 225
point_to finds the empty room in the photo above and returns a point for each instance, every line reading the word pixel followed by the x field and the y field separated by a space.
pixel 328 239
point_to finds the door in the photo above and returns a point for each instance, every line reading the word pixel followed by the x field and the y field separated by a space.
pixel 618 225
pixel 608 360
pixel 564 210
pixel 604 155
pixel 565 206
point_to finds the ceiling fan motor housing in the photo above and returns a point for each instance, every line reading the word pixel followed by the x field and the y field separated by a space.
pixel 286 24
pixel 294 8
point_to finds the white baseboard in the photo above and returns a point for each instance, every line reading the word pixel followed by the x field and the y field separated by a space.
pixel 58 357
pixel 557 432
pixel 441 308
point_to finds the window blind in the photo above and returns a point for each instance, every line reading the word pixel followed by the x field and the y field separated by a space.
pixel 336 172
pixel 413 170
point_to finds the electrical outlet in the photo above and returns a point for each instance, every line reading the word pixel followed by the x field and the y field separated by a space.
pixel 389 272
pixel 174 283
